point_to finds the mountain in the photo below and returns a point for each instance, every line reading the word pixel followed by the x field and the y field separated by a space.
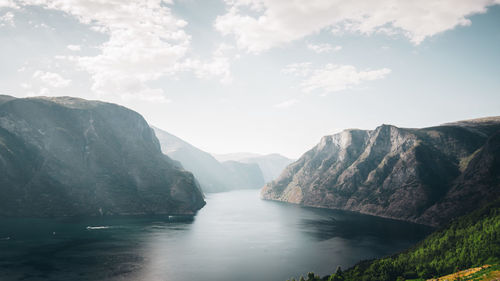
pixel 237 156
pixel 67 156
pixel 213 175
pixel 424 175
pixel 271 165
pixel 244 175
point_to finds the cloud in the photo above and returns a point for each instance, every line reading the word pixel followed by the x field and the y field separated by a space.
pixel 8 4
pixel 218 66
pixel 334 78
pixel 51 79
pixel 146 42
pixel 7 19
pixel 259 25
pixel 287 103
pixel 323 48
pixel 74 47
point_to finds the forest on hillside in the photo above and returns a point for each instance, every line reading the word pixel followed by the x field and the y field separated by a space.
pixel 468 241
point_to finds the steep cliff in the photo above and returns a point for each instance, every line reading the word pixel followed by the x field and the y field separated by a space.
pixel 422 175
pixel 66 156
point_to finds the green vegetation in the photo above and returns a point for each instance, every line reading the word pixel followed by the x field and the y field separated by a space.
pixel 469 241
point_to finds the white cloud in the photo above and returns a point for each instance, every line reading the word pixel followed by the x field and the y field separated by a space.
pixel 218 66
pixel 223 49
pixel 287 103
pixel 7 19
pixel 334 78
pixel 272 23
pixel 146 42
pixel 51 79
pixel 8 4
pixel 323 48
pixel 74 47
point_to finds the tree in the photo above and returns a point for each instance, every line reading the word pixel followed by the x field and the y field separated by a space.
pixel 338 276
pixel 339 272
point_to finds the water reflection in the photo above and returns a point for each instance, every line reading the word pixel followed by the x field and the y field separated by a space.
pixel 339 224
pixel 235 237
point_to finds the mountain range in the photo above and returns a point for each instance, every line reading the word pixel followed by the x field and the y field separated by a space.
pixel 427 175
pixel 67 156
pixel 214 176
pixel 271 165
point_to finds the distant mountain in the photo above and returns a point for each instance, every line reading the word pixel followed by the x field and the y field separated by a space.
pixel 237 156
pixel 244 175
pixel 66 156
pixel 421 175
pixel 212 175
pixel 271 165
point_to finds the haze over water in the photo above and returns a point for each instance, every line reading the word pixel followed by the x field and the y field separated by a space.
pixel 236 236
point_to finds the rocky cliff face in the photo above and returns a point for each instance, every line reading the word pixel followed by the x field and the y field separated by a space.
pixel 66 156
pixel 422 175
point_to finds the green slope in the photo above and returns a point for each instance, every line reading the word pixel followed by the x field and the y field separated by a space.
pixel 468 241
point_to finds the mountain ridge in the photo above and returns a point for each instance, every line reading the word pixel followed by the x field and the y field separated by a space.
pixel 400 173
pixel 271 164
pixel 213 175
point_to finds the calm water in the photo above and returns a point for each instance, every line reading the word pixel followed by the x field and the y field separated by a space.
pixel 236 236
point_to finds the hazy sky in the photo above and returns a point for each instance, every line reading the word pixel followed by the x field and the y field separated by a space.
pixel 260 75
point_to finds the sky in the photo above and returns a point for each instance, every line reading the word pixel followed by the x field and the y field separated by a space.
pixel 262 76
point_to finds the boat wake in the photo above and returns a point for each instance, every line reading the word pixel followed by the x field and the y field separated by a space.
pixel 97 227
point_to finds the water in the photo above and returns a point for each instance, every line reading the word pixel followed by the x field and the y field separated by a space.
pixel 236 236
